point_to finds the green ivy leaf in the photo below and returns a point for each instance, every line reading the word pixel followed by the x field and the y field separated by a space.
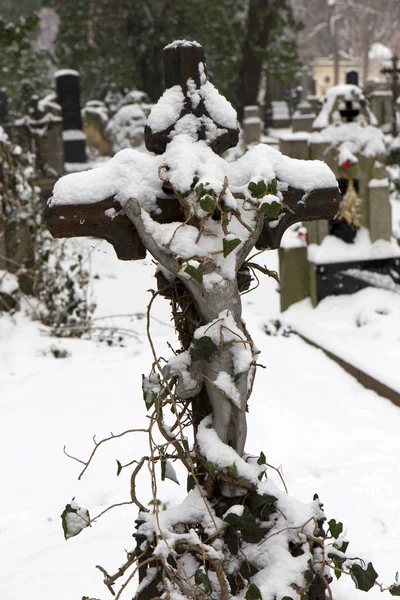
pixel 364 579
pixel 394 590
pixel 262 459
pixel 229 245
pixel 195 273
pixel 245 522
pixel 201 578
pixel 335 528
pixel 119 468
pixel 338 562
pixel 341 545
pixel 271 210
pixel 257 501
pixel 208 203
pixel 308 575
pixel 253 593
pixel 210 467
pixel 202 348
pixel 257 190
pixel 273 187
pixel 191 483
pixel 232 470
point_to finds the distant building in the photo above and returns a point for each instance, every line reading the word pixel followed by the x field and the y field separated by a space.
pixel 323 68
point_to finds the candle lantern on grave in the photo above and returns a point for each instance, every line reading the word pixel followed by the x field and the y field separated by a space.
pixel 199 216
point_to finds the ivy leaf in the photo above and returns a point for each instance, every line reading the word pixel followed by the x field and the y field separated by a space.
pixel 210 467
pixel 262 460
pixel 308 575
pixel 335 528
pixel 208 203
pixel 229 245
pixel 190 483
pixel 364 579
pixel 271 210
pixel 394 590
pixel 257 501
pixel 74 519
pixel 232 470
pixel 195 273
pixel 201 578
pixel 245 522
pixel 151 387
pixel 341 545
pixel 202 348
pixel 257 190
pixel 119 468
pixel 273 187
pixel 253 593
pixel 338 562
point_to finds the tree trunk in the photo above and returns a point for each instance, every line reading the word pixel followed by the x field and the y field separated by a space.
pixel 260 21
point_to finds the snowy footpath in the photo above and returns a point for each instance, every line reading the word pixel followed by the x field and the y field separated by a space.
pixel 329 435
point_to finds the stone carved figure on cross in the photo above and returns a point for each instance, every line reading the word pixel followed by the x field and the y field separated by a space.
pixel 199 216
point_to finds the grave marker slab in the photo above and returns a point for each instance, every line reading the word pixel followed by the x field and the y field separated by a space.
pixel 68 97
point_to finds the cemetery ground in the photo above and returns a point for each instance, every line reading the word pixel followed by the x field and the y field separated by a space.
pixel 346 449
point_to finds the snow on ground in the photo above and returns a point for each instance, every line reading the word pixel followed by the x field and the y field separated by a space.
pixel 330 435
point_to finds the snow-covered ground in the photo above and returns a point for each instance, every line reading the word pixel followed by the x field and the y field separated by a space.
pixel 329 434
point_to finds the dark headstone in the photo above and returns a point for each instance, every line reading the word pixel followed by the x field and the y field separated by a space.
pixel 5 122
pixel 335 279
pixel 352 77
pixel 68 97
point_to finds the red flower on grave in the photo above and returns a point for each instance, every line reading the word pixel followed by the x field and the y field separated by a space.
pixel 347 164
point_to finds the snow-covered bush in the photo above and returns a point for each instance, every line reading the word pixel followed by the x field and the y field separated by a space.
pixel 32 261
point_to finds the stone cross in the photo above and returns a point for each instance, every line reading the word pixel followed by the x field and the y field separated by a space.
pixel 394 72
pixel 349 112
pixel 68 97
pixel 102 217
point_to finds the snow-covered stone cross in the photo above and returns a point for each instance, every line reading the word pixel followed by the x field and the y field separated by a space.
pixel 199 215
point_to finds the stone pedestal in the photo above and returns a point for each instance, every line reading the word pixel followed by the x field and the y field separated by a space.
pixel 295 146
pixel 252 127
pixel 379 210
pixel 381 106
pixel 316 231
pixel 293 269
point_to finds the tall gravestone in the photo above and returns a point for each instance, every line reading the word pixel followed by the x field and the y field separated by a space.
pixel 5 122
pixel 68 97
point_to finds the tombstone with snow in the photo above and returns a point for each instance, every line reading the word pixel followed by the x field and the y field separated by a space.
pixel 95 118
pixel 68 97
pixel 200 216
pixel 5 121
pixel 359 238
pixel 125 129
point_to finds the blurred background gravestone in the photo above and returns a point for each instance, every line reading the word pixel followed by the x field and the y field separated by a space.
pixel 68 97
pixel 353 250
pixel 125 129
pixel 95 118
pixel 5 121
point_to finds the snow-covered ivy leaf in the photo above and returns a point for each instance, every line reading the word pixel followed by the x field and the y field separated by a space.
pixel 394 590
pixel 341 545
pixel 335 528
pixel 190 483
pixel 201 578
pixel 273 187
pixel 74 519
pixel 151 387
pixel 195 273
pixel 257 190
pixel 202 348
pixel 338 562
pixel 232 470
pixel 364 579
pixel 119 468
pixel 229 245
pixel 253 593
pixel 208 203
pixel 169 472
pixel 271 209
pixel 245 522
